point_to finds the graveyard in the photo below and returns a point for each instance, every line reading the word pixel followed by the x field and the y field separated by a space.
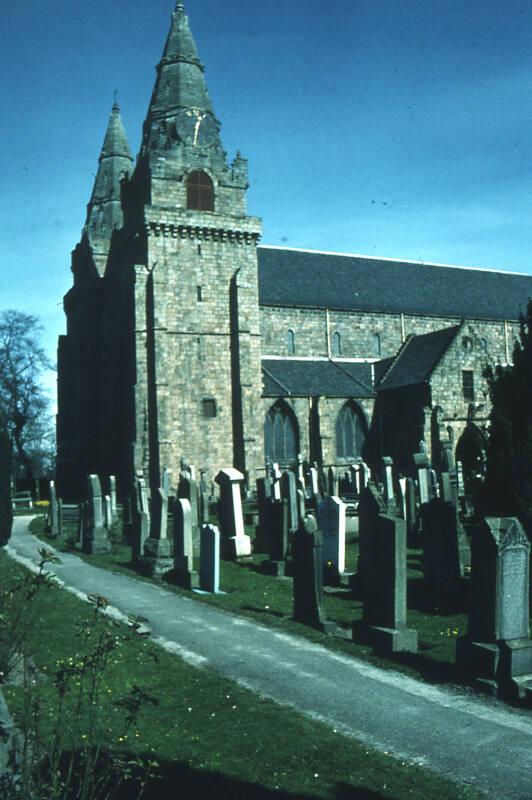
pixel 392 580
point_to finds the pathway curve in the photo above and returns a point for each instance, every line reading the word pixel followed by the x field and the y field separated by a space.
pixel 462 737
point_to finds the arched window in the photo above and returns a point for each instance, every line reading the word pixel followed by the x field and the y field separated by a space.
pixel 290 343
pixel 200 191
pixel 376 344
pixel 337 344
pixel 350 432
pixel 281 441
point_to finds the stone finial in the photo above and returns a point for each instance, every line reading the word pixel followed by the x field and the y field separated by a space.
pixel 179 8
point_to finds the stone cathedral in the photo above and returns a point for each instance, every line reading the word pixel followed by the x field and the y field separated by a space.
pixel 187 338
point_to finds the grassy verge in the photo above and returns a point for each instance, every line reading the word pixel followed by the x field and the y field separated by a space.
pixel 268 600
pixel 211 738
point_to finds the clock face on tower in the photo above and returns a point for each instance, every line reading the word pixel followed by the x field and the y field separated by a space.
pixel 195 127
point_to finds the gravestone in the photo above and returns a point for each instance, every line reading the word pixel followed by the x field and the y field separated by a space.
pixel 275 479
pixel 235 542
pixel 364 476
pixel 371 505
pixel 263 527
pixel 402 482
pixel 411 512
pixel 157 558
pixel 331 524
pixel 334 482
pixel 422 464
pixel 313 482
pixel 384 605
pixel 442 564
pixel 460 479
pixel 209 575
pixel 289 493
pixel 188 490
pixel 112 494
pixel 301 510
pixel 96 540
pixel 300 468
pixel 107 512
pixel 278 533
pixel 54 524
pixel 389 496
pixel 203 510
pixel 446 492
pixel 354 474
pixel 140 521
pixel 433 484
pixel 308 578
pixel 185 574
pixel 167 481
pixel 497 648
pixel 82 523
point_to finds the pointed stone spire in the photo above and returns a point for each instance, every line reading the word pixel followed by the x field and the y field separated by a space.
pixel 180 80
pixel 104 212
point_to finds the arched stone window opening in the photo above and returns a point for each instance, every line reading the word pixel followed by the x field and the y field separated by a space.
pixel 376 344
pixel 337 344
pixel 290 343
pixel 351 431
pixel 200 191
pixel 281 437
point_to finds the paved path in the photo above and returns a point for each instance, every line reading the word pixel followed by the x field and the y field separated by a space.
pixel 464 738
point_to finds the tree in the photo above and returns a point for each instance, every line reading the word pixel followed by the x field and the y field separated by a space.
pixel 24 407
pixel 509 473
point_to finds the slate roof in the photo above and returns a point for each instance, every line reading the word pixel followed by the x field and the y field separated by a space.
pixel 321 280
pixel 290 377
pixel 418 358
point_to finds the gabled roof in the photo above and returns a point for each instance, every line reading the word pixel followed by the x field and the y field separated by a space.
pixel 328 280
pixel 305 378
pixel 418 358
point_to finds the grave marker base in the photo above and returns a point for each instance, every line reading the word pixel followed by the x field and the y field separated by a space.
pixel 275 568
pixel 386 641
pixel 236 548
pixel 97 543
pixel 157 560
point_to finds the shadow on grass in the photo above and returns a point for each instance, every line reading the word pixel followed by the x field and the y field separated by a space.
pixel 180 780
pixel 267 611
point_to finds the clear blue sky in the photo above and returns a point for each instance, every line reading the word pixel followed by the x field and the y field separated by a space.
pixel 399 128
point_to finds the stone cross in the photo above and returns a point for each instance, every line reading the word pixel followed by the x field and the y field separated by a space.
pixel 210 559
pixel 497 647
pixel 308 578
pixel 236 544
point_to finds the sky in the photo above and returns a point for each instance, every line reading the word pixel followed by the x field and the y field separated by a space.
pixel 397 128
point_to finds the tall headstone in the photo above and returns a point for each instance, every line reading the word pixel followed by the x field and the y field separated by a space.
pixel 442 564
pixel 54 525
pixel 203 500
pixel 371 505
pixel 235 542
pixel 112 494
pixel 188 490
pixel 167 481
pixel 185 574
pixel 210 559
pixel 402 482
pixel 262 530
pixel 497 647
pixel 389 496
pixel 289 493
pixel 278 534
pixel 384 605
pixel 308 578
pixel 411 511
pixel 331 524
pixel 422 464
pixel 96 540
pixel 140 518
pixel 301 510
pixel 158 548
pixel 334 482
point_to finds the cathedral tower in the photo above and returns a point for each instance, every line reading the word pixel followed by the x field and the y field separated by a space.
pixel 193 256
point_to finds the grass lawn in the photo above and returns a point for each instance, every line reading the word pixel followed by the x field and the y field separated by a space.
pixel 268 600
pixel 211 738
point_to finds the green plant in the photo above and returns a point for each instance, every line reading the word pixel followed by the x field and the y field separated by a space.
pixel 64 750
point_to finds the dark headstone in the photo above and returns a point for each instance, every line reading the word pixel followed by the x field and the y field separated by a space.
pixel 384 607
pixel 308 578
pixel 278 534
pixel 370 507
pixel 441 554
pixel 497 647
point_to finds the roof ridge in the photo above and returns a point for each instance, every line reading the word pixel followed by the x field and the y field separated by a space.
pixel 391 259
